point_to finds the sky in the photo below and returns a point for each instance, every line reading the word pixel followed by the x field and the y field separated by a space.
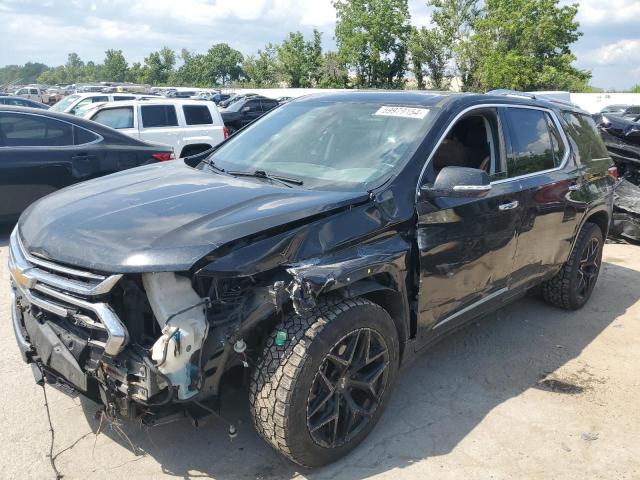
pixel 47 30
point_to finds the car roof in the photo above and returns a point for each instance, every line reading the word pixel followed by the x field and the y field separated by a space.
pixel 16 97
pixel 156 101
pixel 433 99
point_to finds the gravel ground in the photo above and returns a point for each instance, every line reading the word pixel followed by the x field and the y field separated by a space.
pixel 528 392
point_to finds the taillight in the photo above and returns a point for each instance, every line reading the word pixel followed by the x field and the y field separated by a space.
pixel 226 132
pixel 164 156
pixel 613 171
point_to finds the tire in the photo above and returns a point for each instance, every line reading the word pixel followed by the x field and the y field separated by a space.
pixel 288 392
pixel 567 288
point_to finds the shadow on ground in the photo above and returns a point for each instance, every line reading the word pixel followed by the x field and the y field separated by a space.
pixel 438 400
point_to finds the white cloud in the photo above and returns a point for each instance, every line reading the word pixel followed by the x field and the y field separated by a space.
pixel 622 52
pixel 594 12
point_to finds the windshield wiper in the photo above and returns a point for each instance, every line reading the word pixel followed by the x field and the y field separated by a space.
pixel 213 166
pixel 286 181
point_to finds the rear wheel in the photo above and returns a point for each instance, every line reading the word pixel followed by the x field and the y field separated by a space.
pixel 317 396
pixel 573 285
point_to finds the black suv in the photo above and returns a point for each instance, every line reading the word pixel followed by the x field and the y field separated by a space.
pixel 316 250
pixel 244 111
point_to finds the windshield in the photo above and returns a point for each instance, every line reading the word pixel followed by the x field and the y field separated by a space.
pixel 328 145
pixel 235 105
pixel 62 105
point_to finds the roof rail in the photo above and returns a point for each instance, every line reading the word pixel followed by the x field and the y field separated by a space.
pixel 532 96
pixel 511 93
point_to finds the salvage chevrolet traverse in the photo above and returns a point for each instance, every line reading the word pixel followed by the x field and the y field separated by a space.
pixel 317 249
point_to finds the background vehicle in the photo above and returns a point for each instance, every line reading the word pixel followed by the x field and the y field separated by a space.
pixel 246 110
pixel 41 152
pixel 33 93
pixel 21 102
pixel 320 247
pixel 78 102
pixel 188 126
pixel 614 109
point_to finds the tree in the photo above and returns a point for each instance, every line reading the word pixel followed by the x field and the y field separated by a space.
pixel 115 66
pixel 372 39
pixel 333 72
pixel 292 55
pixel 526 45
pixel 159 66
pixel 221 65
pixel 454 22
pixel 263 69
pixel 429 58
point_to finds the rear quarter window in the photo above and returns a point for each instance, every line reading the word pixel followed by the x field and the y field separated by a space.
pixel 156 116
pixel 197 115
pixel 584 132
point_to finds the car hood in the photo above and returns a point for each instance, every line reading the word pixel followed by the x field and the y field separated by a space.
pixel 163 217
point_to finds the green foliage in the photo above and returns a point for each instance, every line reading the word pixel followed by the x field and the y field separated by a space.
pixel 115 66
pixel 333 72
pixel 301 61
pixel 158 67
pixel 525 45
pixel 372 40
pixel 429 58
pixel 263 70
pixel 221 65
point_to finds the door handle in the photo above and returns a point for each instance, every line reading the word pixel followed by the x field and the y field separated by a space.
pixel 509 206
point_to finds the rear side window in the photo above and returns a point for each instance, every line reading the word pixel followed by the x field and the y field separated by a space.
pixel 531 149
pixel 120 98
pixel 21 130
pixel 121 117
pixel 584 131
pixel 197 115
pixel 154 116
pixel 268 105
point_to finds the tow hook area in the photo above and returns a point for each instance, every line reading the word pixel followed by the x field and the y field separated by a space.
pixel 181 313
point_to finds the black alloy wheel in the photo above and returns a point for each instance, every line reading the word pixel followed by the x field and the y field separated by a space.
pixel 588 268
pixel 347 388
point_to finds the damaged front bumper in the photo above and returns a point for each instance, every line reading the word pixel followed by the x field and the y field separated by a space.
pixel 65 326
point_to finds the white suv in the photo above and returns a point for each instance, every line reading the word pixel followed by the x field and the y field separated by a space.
pixel 189 126
pixel 78 103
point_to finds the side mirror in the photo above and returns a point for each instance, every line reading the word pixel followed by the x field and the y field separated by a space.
pixel 458 182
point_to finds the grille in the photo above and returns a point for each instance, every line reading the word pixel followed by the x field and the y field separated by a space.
pixel 67 292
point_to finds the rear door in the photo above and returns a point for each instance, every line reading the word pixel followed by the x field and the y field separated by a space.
pixel 203 124
pixel 159 124
pixel 539 159
pixel 38 156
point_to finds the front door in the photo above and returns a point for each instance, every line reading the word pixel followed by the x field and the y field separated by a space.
pixel 466 245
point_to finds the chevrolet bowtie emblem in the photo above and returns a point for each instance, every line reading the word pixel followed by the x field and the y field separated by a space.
pixel 21 277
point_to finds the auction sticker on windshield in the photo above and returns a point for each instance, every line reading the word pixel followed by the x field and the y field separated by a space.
pixel 406 112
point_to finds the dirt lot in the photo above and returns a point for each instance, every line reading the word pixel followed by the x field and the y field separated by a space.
pixel 529 392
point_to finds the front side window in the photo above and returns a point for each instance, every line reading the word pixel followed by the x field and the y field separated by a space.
pixel 531 150
pixel 21 130
pixel 155 116
pixel 329 145
pixel 121 117
pixel 197 115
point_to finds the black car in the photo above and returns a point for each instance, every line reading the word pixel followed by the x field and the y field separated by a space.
pixel 22 102
pixel 41 152
pixel 316 250
pixel 245 111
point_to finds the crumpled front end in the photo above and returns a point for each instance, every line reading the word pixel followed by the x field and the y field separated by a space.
pixel 133 343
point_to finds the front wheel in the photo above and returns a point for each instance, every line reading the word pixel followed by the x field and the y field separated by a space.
pixel 572 286
pixel 316 396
